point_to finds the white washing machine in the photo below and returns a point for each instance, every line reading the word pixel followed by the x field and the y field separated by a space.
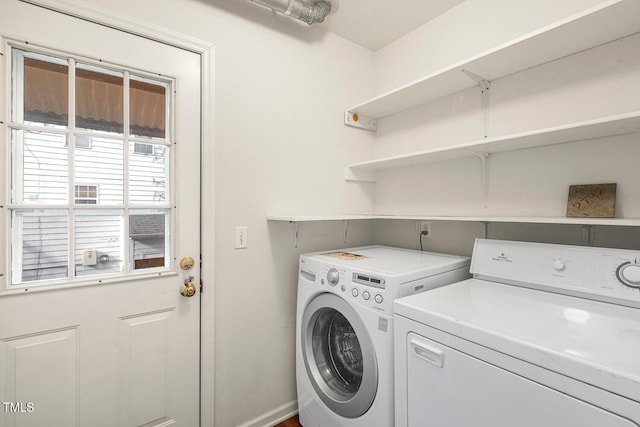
pixel 344 331
pixel 542 335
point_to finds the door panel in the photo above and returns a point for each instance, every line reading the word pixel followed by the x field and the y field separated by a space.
pixel 449 388
pixel 145 368
pixel 120 350
pixel 42 368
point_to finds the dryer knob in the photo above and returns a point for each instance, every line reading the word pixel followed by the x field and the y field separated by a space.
pixel 333 277
pixel 629 274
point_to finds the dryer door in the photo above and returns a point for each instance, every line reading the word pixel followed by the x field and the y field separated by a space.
pixel 339 356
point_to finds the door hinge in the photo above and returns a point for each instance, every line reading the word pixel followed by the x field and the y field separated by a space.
pixel 200 270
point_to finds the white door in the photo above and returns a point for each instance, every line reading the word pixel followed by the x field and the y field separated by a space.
pixel 452 388
pixel 99 202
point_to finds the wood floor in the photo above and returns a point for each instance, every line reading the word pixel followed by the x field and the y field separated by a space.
pixel 291 422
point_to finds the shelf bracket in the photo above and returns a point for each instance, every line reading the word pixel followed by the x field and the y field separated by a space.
pixel 588 234
pixel 484 158
pixel 296 229
pixel 485 100
pixel 359 121
pixel 485 229
pixel 345 226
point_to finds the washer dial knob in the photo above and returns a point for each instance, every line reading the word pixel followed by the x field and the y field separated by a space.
pixel 559 265
pixel 333 276
pixel 629 274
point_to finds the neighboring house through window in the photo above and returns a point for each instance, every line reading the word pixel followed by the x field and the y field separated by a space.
pixel 86 195
pixel 90 174
pixel 140 148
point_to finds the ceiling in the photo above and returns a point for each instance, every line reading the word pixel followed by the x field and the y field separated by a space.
pixel 374 24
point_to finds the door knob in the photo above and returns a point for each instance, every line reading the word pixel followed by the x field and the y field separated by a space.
pixel 188 289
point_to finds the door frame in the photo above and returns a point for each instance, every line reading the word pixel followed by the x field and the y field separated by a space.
pixel 206 51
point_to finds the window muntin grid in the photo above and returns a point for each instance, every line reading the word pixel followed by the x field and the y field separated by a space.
pixel 94 183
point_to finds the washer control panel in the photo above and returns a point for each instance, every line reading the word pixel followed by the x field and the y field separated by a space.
pixel 362 288
pixel 611 275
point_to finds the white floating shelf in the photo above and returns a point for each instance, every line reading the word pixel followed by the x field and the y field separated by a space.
pixel 608 126
pixel 627 222
pixel 310 218
pixel 606 22
pixel 623 222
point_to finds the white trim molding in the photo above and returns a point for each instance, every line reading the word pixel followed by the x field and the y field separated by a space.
pixel 275 416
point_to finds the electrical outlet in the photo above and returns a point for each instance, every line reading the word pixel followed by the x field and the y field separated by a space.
pixel 241 237
pixel 89 257
pixel 425 229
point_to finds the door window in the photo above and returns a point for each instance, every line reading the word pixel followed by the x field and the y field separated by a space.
pixel 336 346
pixel 90 168
pixel 339 356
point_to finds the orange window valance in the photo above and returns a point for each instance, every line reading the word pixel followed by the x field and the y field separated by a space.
pixel 99 100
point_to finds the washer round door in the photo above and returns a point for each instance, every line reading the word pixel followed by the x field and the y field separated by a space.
pixel 339 356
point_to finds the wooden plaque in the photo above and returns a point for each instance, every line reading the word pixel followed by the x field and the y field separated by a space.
pixel 592 201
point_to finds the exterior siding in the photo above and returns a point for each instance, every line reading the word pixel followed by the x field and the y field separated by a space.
pixel 44 236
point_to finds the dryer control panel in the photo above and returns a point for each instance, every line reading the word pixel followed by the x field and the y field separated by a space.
pixel 611 275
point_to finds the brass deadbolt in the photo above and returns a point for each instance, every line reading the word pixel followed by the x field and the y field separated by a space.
pixel 187 263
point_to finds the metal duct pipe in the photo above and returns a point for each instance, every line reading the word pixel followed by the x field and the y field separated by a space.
pixel 306 12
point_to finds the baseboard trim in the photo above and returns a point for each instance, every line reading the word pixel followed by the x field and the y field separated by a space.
pixel 274 416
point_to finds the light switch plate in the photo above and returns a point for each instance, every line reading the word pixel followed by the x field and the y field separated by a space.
pixel 241 237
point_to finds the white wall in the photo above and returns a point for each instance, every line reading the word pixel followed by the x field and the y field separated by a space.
pixel 462 32
pixel 280 147
pixel 595 83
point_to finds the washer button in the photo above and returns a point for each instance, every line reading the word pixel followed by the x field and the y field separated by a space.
pixel 366 295
pixel 378 298
pixel 355 292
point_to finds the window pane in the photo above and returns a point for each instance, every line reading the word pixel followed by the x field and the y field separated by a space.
pixel 139 148
pixel 99 99
pixel 41 246
pixel 40 163
pixel 99 247
pixel 148 106
pixel 149 174
pixel 102 168
pixel 86 195
pixel 71 187
pixel 147 234
pixel 44 84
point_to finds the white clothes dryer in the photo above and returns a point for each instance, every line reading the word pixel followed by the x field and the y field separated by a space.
pixel 542 335
pixel 344 331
